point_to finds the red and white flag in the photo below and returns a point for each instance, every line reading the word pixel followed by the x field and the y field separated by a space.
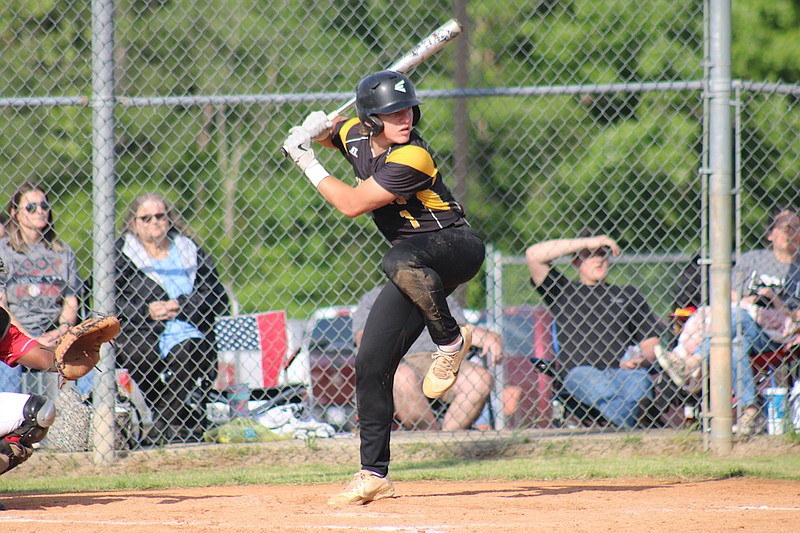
pixel 251 349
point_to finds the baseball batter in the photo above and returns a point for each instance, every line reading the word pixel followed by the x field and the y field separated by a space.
pixel 433 250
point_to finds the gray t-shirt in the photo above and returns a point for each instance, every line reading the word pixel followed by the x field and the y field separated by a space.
pixel 761 262
pixel 36 283
pixel 424 342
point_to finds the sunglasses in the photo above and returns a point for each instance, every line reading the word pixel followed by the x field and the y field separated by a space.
pixel 788 227
pixel 33 206
pixel 601 252
pixel 149 218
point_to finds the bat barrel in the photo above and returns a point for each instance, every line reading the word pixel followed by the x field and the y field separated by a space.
pixel 429 46
pixel 426 48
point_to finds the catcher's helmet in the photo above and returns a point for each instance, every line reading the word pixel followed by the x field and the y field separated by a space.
pixel 383 93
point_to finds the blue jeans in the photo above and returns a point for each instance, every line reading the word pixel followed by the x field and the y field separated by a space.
pixel 753 335
pixel 10 378
pixel 85 385
pixel 752 340
pixel 615 392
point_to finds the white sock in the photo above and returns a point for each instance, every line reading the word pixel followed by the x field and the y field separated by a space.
pixel 454 347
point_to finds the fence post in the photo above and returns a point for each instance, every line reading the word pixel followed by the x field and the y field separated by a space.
pixel 720 166
pixel 103 215
pixel 494 308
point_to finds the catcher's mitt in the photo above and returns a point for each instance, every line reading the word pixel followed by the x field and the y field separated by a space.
pixel 78 350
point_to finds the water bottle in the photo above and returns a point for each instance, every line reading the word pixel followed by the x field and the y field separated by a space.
pixel 558 413
pixel 776 409
pixel 238 398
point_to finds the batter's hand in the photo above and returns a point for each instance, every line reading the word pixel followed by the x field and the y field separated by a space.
pixel 298 146
pixel 317 125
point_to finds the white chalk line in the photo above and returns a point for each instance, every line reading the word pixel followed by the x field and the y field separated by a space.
pixel 256 527
pixel 443 528
pixel 5 518
pixel 725 509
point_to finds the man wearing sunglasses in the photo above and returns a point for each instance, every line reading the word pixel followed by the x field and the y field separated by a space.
pixel 596 323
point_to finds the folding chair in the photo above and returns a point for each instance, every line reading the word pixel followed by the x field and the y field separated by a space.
pixel 562 405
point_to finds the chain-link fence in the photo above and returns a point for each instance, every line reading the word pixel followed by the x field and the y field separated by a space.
pixel 546 118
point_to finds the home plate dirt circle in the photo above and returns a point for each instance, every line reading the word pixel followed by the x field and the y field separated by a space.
pixel 635 504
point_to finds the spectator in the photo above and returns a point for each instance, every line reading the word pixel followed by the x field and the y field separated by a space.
pixel 770 263
pixel 168 296
pixel 466 398
pixel 792 299
pixel 596 323
pixel 39 282
pixel 792 288
pixel 759 278
pixel 24 418
pixel 760 321
pixel 433 251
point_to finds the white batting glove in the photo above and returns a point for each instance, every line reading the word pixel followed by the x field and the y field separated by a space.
pixel 298 146
pixel 316 124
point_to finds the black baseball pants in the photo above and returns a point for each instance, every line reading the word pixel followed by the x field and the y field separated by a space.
pixel 423 270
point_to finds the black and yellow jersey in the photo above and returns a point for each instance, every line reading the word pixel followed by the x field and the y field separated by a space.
pixel 424 203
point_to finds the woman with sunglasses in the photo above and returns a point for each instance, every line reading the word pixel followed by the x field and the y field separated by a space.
pixel 39 283
pixel 168 297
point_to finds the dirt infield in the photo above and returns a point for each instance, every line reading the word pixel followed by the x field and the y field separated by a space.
pixel 634 505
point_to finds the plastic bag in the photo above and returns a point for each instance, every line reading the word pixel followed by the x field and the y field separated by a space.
pixel 241 430
pixel 285 420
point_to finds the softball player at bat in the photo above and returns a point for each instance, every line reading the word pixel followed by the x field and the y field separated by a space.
pixel 24 418
pixel 433 251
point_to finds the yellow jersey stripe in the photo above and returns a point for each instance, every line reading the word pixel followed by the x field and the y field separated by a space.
pixel 348 125
pixel 431 200
pixel 415 157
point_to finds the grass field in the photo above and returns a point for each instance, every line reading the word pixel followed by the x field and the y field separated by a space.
pixel 657 455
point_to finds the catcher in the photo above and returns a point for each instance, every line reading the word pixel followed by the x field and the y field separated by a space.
pixel 25 418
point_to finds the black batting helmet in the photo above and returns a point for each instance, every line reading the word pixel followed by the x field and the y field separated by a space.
pixel 383 93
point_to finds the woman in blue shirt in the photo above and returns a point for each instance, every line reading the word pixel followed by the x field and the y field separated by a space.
pixel 168 296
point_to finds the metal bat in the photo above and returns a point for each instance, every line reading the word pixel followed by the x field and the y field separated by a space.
pixel 426 48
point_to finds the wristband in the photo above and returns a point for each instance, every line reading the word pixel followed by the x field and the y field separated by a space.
pixel 316 173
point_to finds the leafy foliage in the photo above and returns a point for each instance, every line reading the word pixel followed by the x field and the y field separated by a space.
pixel 572 156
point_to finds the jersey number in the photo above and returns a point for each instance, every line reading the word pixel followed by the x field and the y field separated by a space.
pixel 405 214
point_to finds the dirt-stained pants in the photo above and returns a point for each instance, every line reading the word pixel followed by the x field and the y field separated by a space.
pixel 424 270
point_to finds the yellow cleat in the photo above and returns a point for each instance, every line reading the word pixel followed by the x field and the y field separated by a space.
pixel 365 487
pixel 444 370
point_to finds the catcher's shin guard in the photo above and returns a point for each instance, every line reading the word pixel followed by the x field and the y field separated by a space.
pixel 39 413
